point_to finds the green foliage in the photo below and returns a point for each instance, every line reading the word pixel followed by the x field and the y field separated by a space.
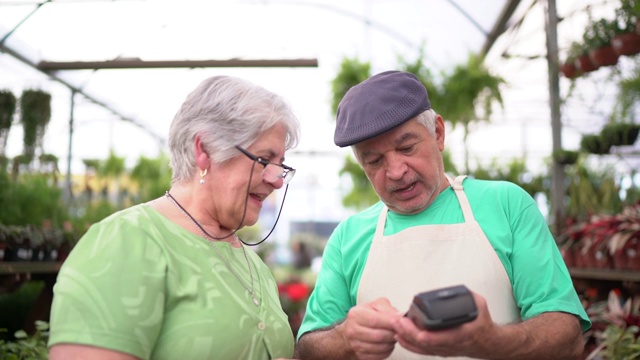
pixel 591 191
pixel 628 94
pixel 426 77
pixel 595 144
pixel 35 111
pixel 515 172
pixel 599 33
pixel 112 167
pixel 7 109
pixel 30 199
pixel 352 72
pixel 620 343
pixel 470 86
pixel 16 306
pixel 27 347
pixel 93 213
pixel 620 133
pixel 153 177
pixel 565 157
pixel 627 15
pixel 362 194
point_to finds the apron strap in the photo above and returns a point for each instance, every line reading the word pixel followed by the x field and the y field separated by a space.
pixel 462 198
pixel 382 219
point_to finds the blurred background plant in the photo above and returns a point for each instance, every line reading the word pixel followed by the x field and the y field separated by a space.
pixel 616 328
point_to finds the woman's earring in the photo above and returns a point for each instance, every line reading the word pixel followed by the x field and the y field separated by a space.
pixel 202 175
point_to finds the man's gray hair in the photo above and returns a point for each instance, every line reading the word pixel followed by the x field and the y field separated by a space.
pixel 428 119
pixel 225 111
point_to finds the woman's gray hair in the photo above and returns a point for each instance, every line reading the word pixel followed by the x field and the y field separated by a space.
pixel 225 111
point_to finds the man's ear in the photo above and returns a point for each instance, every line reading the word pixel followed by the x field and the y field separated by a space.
pixel 440 130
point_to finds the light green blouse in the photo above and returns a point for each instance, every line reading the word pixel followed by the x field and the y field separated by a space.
pixel 140 284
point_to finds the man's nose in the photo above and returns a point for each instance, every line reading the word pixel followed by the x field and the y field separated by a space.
pixel 396 168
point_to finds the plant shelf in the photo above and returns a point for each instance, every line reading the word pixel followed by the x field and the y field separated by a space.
pixel 601 274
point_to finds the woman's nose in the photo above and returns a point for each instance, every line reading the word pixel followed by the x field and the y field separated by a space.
pixel 273 175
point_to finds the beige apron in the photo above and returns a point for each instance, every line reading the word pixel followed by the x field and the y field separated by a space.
pixel 427 257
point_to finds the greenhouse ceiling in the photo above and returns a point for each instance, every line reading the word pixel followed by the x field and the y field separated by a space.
pixel 122 68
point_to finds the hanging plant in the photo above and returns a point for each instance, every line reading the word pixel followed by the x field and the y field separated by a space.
pixel 7 109
pixel 597 38
pixel 35 110
pixel 565 157
pixel 595 144
pixel 620 133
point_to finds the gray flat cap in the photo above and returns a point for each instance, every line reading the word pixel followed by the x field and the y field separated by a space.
pixel 377 105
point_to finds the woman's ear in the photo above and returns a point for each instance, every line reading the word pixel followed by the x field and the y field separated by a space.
pixel 202 157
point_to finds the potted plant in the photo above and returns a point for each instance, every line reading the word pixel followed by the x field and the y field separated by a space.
pixel 624 245
pixel 621 320
pixel 565 157
pixel 620 133
pixel 35 111
pixel 19 244
pixel 595 144
pixel 627 40
pixel 568 68
pixel 7 109
pixel 597 38
pixel 4 241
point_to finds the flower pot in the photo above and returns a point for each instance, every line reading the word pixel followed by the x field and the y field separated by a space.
pixel 569 70
pixel 580 259
pixel 626 44
pixel 19 253
pixel 628 258
pixel 584 64
pixel 599 258
pixel 52 255
pixel 568 255
pixel 603 56
pixel 3 250
pixel 38 254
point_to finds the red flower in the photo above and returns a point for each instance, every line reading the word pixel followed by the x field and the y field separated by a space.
pixel 297 291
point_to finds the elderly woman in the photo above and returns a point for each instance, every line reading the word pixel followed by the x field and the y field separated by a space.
pixel 170 279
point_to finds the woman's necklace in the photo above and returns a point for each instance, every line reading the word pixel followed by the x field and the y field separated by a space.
pixel 215 247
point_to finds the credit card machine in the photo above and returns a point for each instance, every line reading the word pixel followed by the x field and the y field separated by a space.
pixel 443 308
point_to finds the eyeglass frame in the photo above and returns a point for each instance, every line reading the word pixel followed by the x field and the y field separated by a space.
pixel 287 171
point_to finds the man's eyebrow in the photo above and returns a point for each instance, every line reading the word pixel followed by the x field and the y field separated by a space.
pixel 401 139
pixel 405 137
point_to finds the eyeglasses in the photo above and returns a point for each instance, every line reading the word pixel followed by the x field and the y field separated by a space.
pixel 272 170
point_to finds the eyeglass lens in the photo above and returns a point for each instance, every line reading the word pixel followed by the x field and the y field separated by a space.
pixel 274 172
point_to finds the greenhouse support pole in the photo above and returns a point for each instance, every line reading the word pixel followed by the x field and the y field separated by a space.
pixel 557 170
pixel 68 193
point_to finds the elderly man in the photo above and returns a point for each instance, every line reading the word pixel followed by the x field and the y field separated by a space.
pixel 431 231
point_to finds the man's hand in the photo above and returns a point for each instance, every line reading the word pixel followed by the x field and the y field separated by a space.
pixel 464 340
pixel 368 329
pixel 550 335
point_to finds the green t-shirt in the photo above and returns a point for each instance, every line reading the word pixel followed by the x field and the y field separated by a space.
pixel 140 284
pixel 509 218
